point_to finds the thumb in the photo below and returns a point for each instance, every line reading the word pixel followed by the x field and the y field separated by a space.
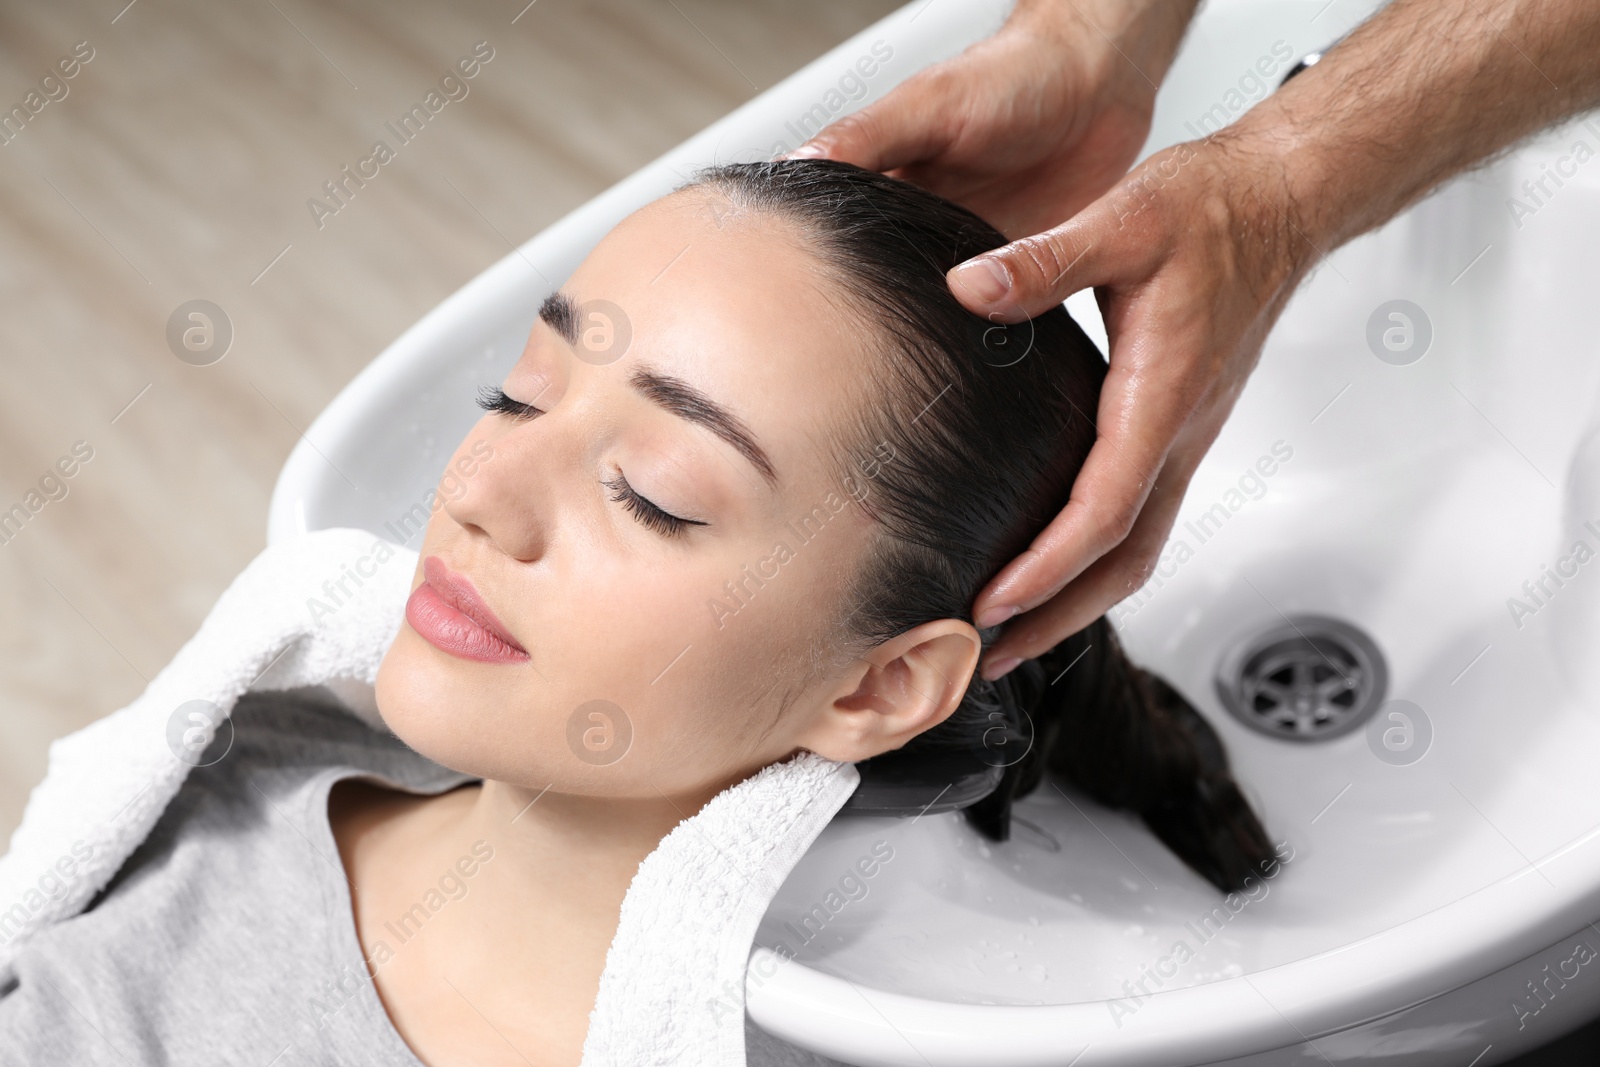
pixel 908 126
pixel 1028 277
pixel 1095 247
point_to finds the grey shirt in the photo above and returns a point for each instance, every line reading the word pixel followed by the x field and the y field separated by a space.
pixel 228 935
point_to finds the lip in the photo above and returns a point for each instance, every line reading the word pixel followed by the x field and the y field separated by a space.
pixel 449 614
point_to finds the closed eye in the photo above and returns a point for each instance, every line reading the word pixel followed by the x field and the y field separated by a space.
pixel 493 399
pixel 649 514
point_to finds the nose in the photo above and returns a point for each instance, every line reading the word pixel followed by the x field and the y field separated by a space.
pixel 512 497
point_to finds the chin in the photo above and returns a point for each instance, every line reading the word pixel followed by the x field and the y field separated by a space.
pixel 447 710
pixel 421 701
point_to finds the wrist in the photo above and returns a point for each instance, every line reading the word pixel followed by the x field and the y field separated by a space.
pixel 1290 168
pixel 1257 188
pixel 1137 38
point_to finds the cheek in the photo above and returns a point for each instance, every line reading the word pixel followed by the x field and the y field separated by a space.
pixel 646 636
pixel 749 636
pixel 696 669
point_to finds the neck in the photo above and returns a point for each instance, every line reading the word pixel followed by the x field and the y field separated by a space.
pixel 562 847
pixel 562 863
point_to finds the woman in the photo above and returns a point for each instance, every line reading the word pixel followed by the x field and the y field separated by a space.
pixel 754 529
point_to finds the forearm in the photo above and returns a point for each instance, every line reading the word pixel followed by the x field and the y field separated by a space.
pixel 1422 91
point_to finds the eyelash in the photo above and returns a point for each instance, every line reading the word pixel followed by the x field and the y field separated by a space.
pixel 649 514
pixel 494 400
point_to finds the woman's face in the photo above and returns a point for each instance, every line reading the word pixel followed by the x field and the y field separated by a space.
pixel 563 633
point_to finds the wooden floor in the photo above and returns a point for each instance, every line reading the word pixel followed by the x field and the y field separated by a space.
pixel 178 166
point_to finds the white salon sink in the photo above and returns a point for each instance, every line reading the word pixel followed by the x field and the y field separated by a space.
pixel 1422 897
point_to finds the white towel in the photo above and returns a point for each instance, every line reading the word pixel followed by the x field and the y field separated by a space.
pixel 672 991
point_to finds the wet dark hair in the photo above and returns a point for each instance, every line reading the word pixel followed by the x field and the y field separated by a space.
pixel 965 448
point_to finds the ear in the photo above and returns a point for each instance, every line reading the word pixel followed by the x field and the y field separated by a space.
pixel 908 684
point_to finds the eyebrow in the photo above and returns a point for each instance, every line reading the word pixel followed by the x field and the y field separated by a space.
pixel 560 314
pixel 673 395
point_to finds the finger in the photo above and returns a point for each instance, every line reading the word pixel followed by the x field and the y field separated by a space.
pixel 1140 416
pixel 1110 580
pixel 1124 570
pixel 909 125
pixel 1028 277
pixel 1094 593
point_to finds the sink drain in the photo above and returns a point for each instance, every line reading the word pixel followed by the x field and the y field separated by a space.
pixel 1310 679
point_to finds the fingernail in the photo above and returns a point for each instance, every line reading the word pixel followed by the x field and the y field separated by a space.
pixel 1000 667
pixel 809 150
pixel 995 616
pixel 985 278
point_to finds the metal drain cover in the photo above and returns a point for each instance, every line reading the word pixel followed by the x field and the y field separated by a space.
pixel 1310 679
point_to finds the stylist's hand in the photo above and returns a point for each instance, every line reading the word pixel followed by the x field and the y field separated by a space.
pixel 1027 126
pixel 1193 256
